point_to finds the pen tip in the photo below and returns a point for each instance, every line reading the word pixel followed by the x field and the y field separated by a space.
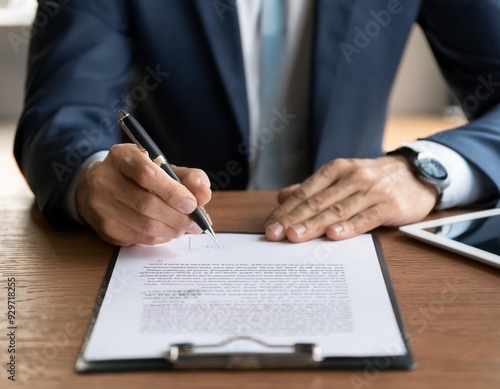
pixel 212 233
pixel 123 113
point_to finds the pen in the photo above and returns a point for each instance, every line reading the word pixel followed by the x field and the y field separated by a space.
pixel 140 137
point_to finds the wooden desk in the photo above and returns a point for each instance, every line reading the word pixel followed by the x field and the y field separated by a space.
pixel 451 306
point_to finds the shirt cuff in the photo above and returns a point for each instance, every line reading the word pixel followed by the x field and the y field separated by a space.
pixel 466 181
pixel 68 197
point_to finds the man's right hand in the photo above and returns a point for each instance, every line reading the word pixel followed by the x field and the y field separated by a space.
pixel 129 200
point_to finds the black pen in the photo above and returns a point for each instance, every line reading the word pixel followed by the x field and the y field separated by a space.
pixel 140 137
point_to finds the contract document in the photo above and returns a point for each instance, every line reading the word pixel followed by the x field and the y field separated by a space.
pixel 336 295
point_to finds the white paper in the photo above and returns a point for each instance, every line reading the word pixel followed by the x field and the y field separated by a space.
pixel 193 290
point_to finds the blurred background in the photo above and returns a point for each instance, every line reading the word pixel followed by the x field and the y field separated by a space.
pixel 15 18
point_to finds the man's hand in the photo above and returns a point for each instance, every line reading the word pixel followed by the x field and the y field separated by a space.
pixel 348 197
pixel 129 200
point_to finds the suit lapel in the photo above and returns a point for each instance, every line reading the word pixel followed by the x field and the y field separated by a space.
pixel 332 19
pixel 220 22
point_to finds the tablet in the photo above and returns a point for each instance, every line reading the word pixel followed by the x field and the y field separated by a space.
pixel 475 235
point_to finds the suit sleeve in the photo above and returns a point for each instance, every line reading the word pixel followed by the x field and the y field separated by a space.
pixel 78 67
pixel 465 38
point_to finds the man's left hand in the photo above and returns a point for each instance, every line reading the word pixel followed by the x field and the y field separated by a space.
pixel 348 197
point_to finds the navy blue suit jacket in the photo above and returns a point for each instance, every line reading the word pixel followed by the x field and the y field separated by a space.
pixel 178 66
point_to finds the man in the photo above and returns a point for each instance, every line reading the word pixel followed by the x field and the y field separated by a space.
pixel 199 75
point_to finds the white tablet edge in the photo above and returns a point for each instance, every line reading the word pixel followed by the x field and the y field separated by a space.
pixel 417 231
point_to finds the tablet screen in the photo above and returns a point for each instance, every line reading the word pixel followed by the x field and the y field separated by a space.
pixel 483 234
pixel 475 234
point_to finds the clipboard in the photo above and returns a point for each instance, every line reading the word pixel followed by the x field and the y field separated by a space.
pixel 190 356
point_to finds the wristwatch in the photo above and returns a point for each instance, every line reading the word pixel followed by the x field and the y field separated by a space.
pixel 426 168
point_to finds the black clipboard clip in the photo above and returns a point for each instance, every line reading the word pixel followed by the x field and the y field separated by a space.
pixel 190 356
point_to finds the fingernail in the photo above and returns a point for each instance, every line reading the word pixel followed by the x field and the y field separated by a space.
pixel 299 228
pixel 276 229
pixel 187 206
pixel 338 228
pixel 203 182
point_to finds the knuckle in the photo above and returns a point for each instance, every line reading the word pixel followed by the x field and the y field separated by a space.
pixel 145 203
pixel 363 174
pixel 315 203
pixel 300 194
pixel 289 220
pixel 314 225
pixel 170 190
pixel 148 226
pixel 340 210
pixel 161 240
pixel 398 207
pixel 175 190
pixel 324 171
pixel 105 229
pixel 177 234
pixel 151 241
pixel 180 223
pixel 142 239
pixel 118 152
pixel 333 168
pixel 176 229
pixel 145 173
pixel 338 164
pixel 115 150
pixel 94 202
pixel 371 218
pixel 95 179
pixel 386 190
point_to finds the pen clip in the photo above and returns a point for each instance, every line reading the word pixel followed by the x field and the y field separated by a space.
pixel 139 136
pixel 130 135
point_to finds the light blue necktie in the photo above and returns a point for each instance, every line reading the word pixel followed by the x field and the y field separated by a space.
pixel 273 30
pixel 281 154
pixel 273 41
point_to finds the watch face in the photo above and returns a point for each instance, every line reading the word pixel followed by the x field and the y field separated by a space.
pixel 432 168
